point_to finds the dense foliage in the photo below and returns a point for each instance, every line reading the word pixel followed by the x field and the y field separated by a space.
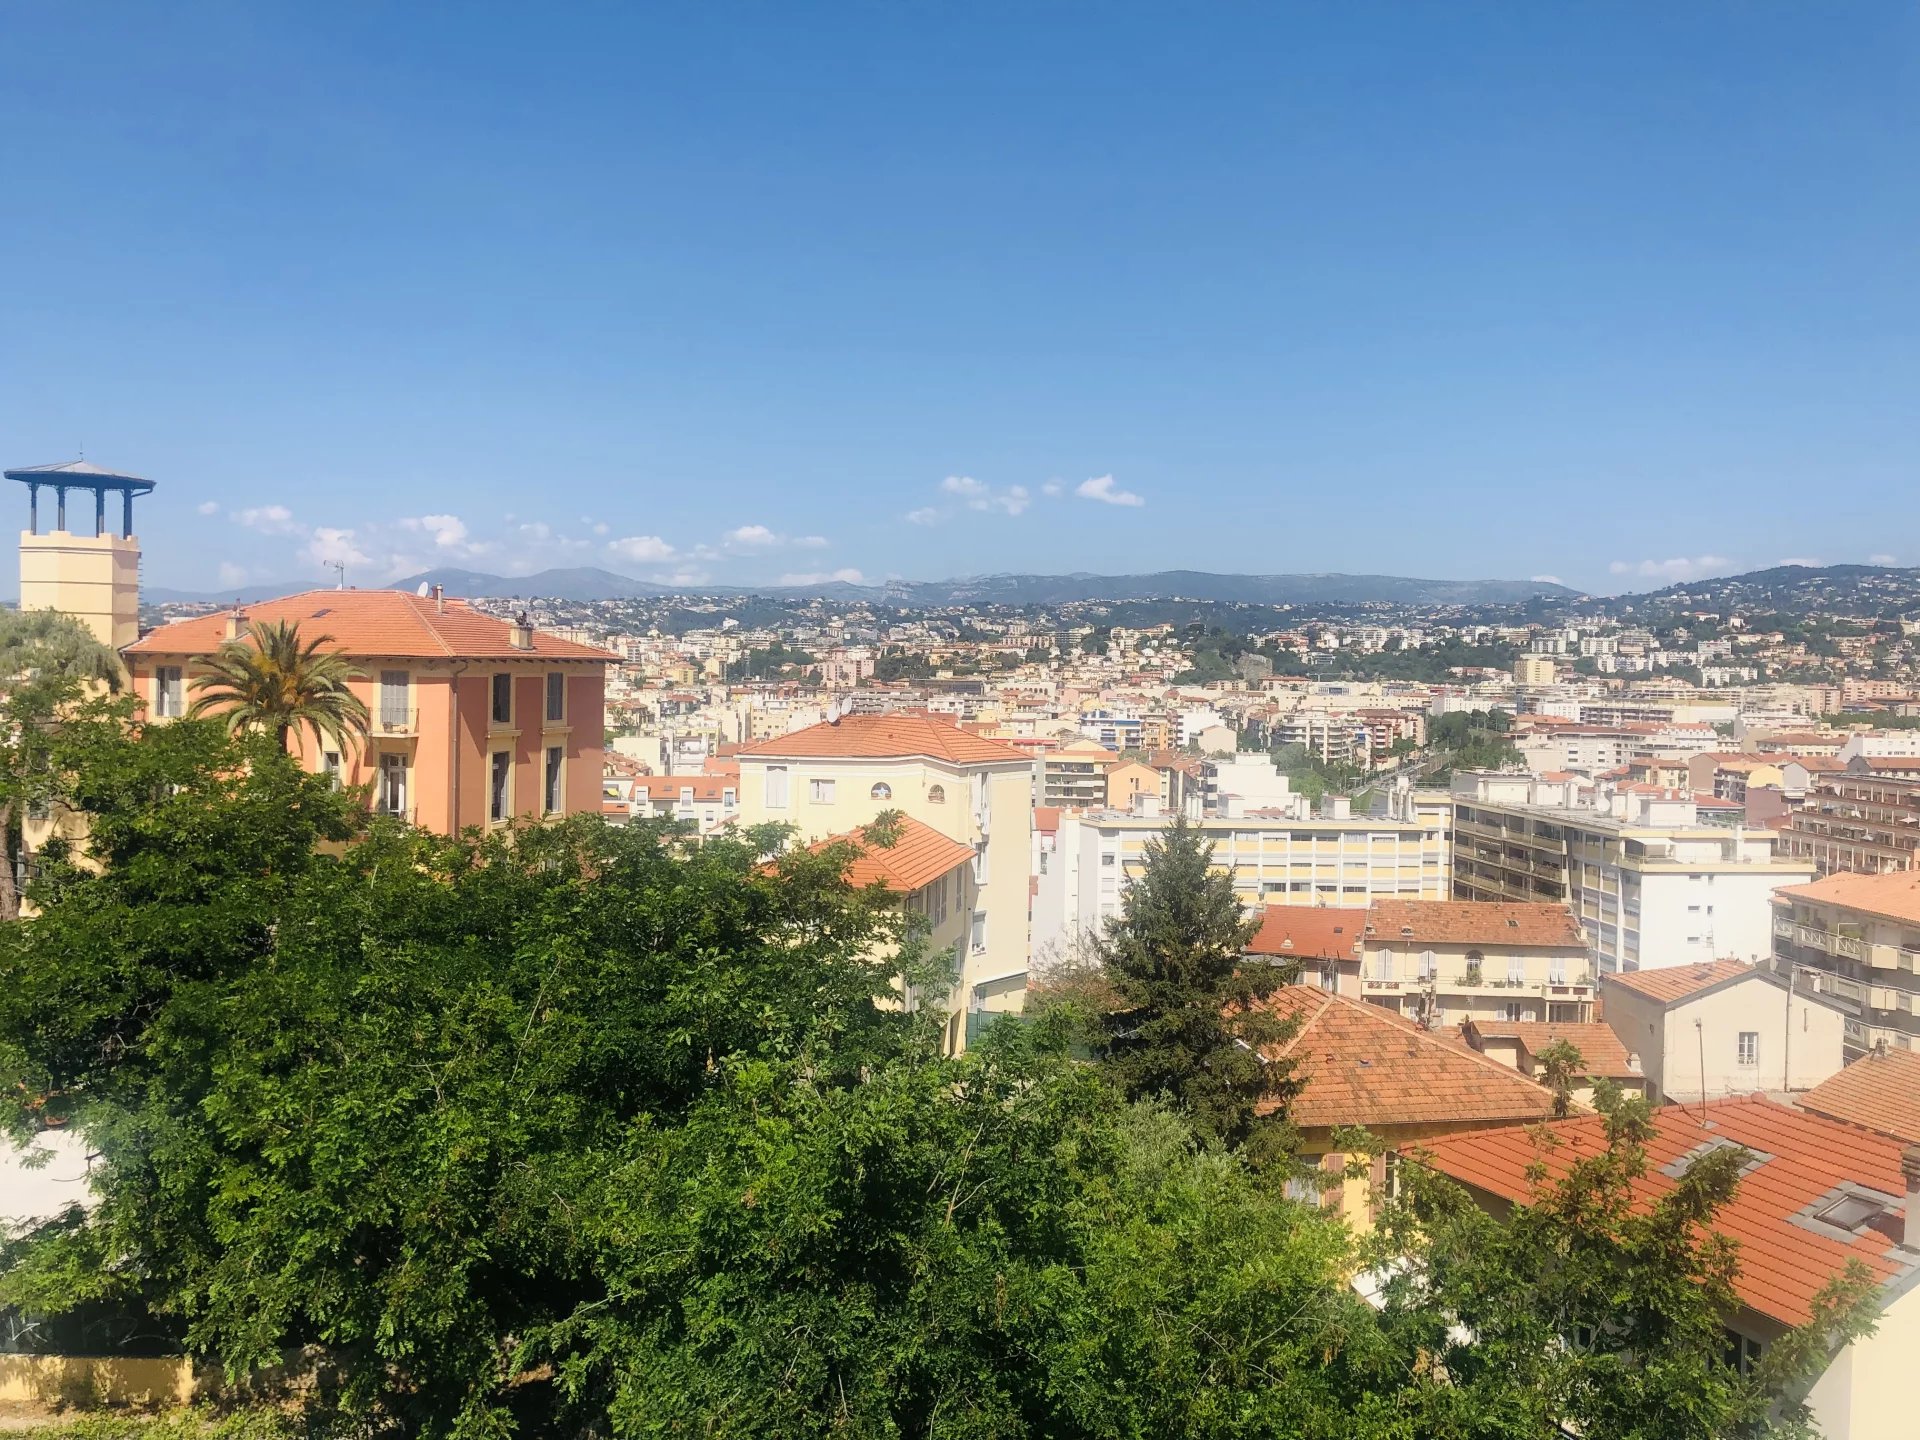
pixel 590 1130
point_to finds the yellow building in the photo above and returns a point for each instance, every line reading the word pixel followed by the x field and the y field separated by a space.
pixel 93 577
pixel 832 778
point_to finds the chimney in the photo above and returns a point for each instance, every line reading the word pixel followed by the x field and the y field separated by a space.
pixel 236 623
pixel 440 599
pixel 520 633
pixel 1910 1172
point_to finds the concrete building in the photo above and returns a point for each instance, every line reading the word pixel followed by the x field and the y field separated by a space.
pixel 832 778
pixel 1442 962
pixel 1858 819
pixel 93 577
pixel 1331 860
pixel 1522 1045
pixel 1651 884
pixel 1076 774
pixel 473 721
pixel 1722 1029
pixel 1857 939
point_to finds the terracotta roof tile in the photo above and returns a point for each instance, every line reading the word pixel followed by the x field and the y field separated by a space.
pixel 371 623
pixel 1893 896
pixel 1601 1053
pixel 1472 922
pixel 1313 932
pixel 1880 1090
pixel 1783 1265
pixel 1677 982
pixel 919 857
pixel 886 736
pixel 1365 1066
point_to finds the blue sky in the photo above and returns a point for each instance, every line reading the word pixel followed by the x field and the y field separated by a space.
pixel 1613 293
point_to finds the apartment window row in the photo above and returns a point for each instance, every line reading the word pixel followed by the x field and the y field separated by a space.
pixel 553 792
pixel 555 696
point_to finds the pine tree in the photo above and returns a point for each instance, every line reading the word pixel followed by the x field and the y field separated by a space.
pixel 1190 1025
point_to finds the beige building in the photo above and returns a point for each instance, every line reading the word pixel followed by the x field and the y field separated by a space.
pixel 834 777
pixel 1857 938
pixel 1076 774
pixel 1722 1029
pixel 1442 962
pixel 1522 1045
pixel 95 576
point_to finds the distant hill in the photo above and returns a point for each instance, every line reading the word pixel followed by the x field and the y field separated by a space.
pixel 591 584
pixel 1790 590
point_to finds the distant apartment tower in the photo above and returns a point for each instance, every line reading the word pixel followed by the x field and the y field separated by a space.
pixel 1651 884
pixel 93 577
pixel 1864 820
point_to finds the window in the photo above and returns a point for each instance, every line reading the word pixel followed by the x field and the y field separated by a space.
pixel 393 700
pixel 1511 1011
pixel 1557 970
pixel 1749 1047
pixel 330 766
pixel 881 791
pixel 554 794
pixel 169 691
pixel 978 935
pixel 1043 862
pixel 393 784
pixel 936 794
pixel 1516 970
pixel 938 914
pixel 1426 964
pixel 499 790
pixel 1383 965
pixel 556 697
pixel 820 792
pixel 503 699
pixel 776 787
pixel 1107 862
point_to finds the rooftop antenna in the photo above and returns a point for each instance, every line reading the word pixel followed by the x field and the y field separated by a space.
pixel 339 568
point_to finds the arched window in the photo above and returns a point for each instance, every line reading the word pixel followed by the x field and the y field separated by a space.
pixel 881 790
pixel 936 794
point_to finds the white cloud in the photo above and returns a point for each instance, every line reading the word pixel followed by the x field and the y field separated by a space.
pixel 209 507
pixel 330 546
pixel 449 532
pixel 537 530
pixel 1546 580
pixel 1672 571
pixel 600 527
pixel 1803 560
pixel 1101 488
pixel 751 537
pixel 681 577
pixel 268 520
pixel 641 547
pixel 977 495
pixel 1882 560
pixel 232 574
pixel 1052 488
pixel 810 542
pixel 848 576
pixel 925 515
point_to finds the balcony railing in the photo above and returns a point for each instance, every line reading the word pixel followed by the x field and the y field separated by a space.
pixel 1784 927
pixel 397 723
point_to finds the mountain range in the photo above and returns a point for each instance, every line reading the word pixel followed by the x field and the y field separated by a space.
pixel 594 584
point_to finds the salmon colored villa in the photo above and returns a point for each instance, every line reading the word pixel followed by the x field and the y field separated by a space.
pixel 473 721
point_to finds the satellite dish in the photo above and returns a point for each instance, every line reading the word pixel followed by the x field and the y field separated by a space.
pixel 424 590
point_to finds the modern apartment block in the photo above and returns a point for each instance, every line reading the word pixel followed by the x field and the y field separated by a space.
pixel 1864 819
pixel 473 721
pixel 834 777
pixel 1076 773
pixel 1332 859
pixel 1651 885
pixel 1856 938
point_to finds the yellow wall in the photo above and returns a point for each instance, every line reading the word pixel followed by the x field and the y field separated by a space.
pixel 94 578
pixel 58 1381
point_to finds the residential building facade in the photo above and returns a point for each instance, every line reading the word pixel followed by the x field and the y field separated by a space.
pixel 1857 939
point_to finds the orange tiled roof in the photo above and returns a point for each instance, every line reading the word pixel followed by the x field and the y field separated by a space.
pixel 1601 1052
pixel 1312 932
pixel 1880 1090
pixel 886 736
pixel 1046 818
pixel 1783 1265
pixel 373 623
pixel 1893 896
pixel 1472 922
pixel 1365 1066
pixel 705 788
pixel 919 857
pixel 1677 982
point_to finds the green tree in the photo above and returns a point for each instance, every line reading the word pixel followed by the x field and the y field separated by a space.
pixel 275 681
pixel 49 662
pixel 1190 1025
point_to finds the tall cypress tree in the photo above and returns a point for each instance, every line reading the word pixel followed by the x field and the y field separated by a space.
pixel 1190 1025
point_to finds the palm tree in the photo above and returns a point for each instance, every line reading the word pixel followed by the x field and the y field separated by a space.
pixel 273 681
pixel 47 659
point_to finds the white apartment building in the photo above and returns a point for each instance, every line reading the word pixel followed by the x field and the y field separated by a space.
pixel 1882 744
pixel 1335 859
pixel 1651 885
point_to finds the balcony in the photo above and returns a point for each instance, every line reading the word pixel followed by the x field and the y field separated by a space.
pixel 1850 947
pixel 1784 927
pixel 395 724
pixel 1387 986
